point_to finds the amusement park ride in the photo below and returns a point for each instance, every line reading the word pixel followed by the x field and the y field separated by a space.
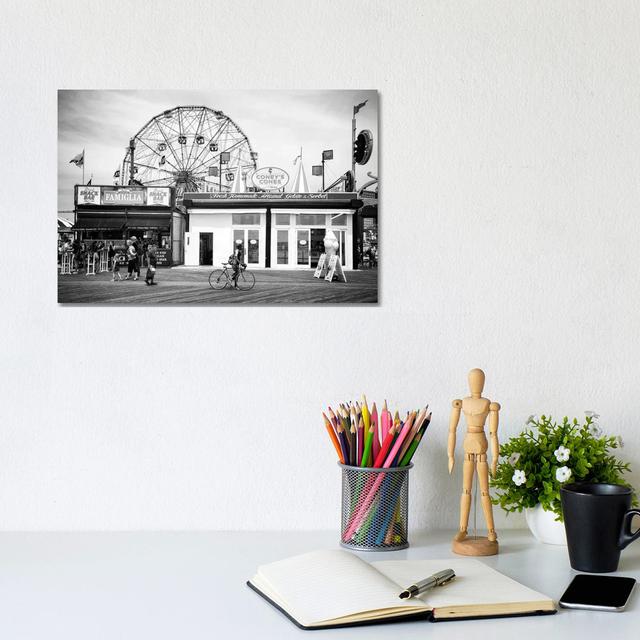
pixel 187 148
pixel 195 148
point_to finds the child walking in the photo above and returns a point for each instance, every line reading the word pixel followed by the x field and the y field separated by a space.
pixel 152 263
pixel 116 266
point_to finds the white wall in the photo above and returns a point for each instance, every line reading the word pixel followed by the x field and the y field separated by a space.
pixel 511 197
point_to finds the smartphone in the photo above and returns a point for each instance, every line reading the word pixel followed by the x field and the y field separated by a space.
pixel 602 593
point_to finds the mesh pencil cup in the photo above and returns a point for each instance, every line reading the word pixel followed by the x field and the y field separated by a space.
pixel 375 505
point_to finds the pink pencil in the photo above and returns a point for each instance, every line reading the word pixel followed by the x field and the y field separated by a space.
pixel 364 507
pixel 385 422
pixel 376 431
pixel 416 426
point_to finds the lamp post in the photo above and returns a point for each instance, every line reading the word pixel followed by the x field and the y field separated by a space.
pixel 225 156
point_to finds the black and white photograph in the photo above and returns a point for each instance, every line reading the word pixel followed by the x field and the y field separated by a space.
pixel 221 197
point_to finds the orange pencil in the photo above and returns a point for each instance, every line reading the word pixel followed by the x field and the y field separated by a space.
pixel 334 438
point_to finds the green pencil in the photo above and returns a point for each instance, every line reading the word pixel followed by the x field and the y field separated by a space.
pixel 368 444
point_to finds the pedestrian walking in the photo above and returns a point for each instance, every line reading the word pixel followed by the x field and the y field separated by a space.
pixel 132 259
pixel 152 263
pixel 115 268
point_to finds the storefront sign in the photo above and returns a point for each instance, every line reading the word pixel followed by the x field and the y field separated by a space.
pixel 270 178
pixel 163 256
pixel 118 196
pixel 129 196
pixel 158 196
pixel 88 195
pixel 266 196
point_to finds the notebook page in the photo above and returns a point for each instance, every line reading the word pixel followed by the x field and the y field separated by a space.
pixel 475 582
pixel 324 585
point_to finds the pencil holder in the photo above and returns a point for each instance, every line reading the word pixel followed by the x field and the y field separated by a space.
pixel 375 508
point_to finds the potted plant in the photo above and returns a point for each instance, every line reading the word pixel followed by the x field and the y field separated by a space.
pixel 534 465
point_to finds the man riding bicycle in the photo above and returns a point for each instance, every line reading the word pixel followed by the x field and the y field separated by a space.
pixel 237 261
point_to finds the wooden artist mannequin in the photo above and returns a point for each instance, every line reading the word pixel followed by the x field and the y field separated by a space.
pixel 475 409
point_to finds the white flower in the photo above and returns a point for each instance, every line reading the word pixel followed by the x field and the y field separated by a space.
pixel 561 454
pixel 513 458
pixel 518 477
pixel 531 419
pixel 595 430
pixel 591 414
pixel 563 474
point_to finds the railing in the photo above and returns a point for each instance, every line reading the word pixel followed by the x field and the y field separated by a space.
pixel 93 265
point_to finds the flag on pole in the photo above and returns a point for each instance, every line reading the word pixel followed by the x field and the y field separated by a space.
pixel 78 160
pixel 359 106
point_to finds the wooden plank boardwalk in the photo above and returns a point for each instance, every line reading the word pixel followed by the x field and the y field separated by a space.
pixel 190 285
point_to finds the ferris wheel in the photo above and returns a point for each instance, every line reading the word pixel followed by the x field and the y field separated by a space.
pixel 189 148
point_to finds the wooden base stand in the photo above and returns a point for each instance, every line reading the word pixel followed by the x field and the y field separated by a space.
pixel 475 546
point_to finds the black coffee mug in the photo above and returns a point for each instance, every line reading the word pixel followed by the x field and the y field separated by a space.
pixel 597 519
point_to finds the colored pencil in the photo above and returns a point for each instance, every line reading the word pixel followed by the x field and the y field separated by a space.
pixel 366 418
pixel 412 434
pixel 344 444
pixel 353 457
pixel 358 519
pixel 366 454
pixel 361 438
pixel 334 438
pixel 385 422
pixel 384 449
pixel 347 429
pixel 414 445
pixel 376 433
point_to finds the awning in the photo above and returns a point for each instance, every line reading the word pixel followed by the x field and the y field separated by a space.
pixel 369 208
pixel 148 222
pixel 98 223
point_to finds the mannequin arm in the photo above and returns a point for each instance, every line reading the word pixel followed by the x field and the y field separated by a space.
pixel 453 425
pixel 494 408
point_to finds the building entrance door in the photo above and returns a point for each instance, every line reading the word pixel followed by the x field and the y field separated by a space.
pixel 303 247
pixel 317 246
pixel 206 248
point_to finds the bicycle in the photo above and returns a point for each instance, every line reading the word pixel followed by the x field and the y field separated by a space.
pixel 221 278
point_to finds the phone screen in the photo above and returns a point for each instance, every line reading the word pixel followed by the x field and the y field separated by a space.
pixel 611 592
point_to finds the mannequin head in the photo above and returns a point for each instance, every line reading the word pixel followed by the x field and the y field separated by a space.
pixel 476 382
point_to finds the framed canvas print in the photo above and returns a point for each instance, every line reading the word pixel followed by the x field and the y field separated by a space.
pixel 222 197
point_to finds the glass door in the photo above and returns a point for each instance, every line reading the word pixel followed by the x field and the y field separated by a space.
pixel 316 246
pixel 250 239
pixel 303 247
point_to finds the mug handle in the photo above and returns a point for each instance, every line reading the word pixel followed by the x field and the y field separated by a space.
pixel 626 537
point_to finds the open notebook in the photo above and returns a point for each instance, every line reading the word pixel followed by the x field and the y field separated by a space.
pixel 336 588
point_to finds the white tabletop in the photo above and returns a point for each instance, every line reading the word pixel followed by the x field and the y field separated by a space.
pixel 189 586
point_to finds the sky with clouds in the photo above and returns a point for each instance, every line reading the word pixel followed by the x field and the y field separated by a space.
pixel 277 123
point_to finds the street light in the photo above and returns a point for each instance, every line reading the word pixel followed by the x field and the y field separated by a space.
pixel 225 156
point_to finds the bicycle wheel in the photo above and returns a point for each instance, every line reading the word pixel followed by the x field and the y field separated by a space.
pixel 218 279
pixel 246 280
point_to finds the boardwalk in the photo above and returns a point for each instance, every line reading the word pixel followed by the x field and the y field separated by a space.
pixel 187 285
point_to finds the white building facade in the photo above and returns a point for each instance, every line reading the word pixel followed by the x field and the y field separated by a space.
pixel 278 231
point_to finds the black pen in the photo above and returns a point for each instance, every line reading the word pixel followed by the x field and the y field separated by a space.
pixel 436 580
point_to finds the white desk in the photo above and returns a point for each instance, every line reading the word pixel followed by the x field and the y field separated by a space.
pixel 188 586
